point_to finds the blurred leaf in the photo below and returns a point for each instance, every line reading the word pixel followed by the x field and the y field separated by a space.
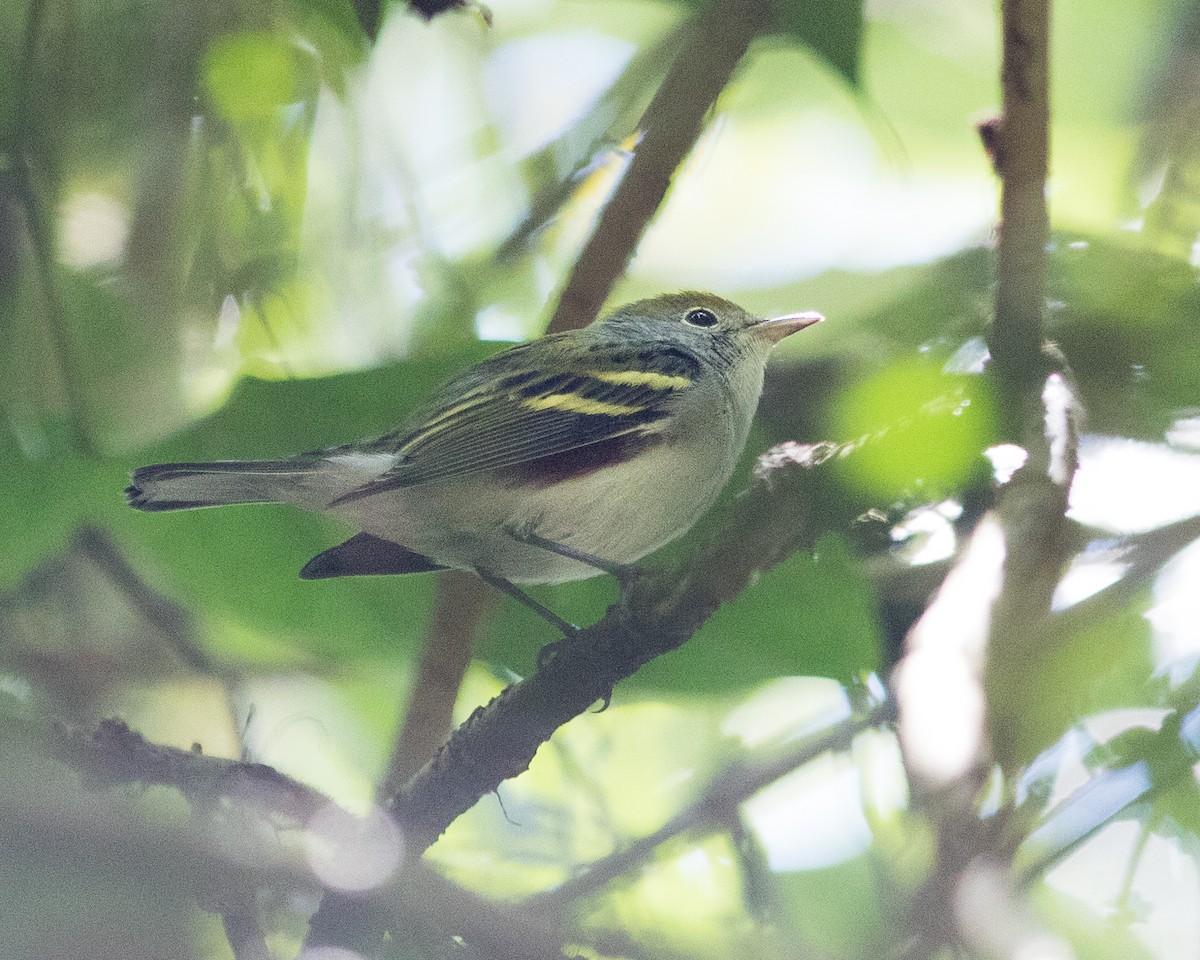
pixel 686 902
pixel 832 29
pixel 250 75
pixel 1103 664
pixel 809 616
pixel 238 565
pixel 914 428
pixel 1126 320
pixel 838 908
pixel 344 20
pixel 1094 934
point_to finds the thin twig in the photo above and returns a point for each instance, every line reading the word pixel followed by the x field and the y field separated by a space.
pixel 664 609
pixel 112 755
pixel 731 787
pixel 173 619
pixel 558 167
pixel 721 35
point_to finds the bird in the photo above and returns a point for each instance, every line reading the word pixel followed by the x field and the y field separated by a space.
pixel 559 459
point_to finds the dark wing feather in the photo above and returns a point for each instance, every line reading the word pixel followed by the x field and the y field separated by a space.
pixel 366 554
pixel 501 415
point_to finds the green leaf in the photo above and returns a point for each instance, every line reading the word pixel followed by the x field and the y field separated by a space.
pixel 809 616
pixel 236 568
pixel 832 29
pixel 251 75
pixel 914 429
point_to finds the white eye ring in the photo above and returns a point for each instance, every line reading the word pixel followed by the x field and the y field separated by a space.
pixel 700 317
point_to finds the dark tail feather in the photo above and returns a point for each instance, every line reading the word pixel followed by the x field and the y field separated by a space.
pixel 184 486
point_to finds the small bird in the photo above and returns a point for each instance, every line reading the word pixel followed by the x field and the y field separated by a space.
pixel 555 460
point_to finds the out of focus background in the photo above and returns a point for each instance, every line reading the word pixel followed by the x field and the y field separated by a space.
pixel 235 230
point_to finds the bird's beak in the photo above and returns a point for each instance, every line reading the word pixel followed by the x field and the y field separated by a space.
pixel 777 328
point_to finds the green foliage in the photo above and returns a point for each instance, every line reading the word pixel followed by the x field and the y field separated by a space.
pixel 245 230
pixel 833 31
pixel 919 429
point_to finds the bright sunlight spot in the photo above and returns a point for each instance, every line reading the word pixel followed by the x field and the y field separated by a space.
pixel 1175 615
pixel 94 228
pixel 353 854
pixel 788 707
pixel 939 681
pixel 811 818
pixel 1130 486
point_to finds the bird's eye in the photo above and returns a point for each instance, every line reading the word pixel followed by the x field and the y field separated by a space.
pixel 700 318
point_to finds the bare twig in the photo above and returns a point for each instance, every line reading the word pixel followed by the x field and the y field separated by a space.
pixel 223 863
pixel 112 755
pixel 498 741
pixel 558 167
pixel 174 620
pixel 1022 157
pixel 721 35
pixel 732 786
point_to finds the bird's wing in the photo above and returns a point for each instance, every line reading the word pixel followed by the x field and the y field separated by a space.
pixel 508 415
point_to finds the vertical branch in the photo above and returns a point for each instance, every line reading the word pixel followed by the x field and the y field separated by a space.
pixel 972 659
pixel 1035 390
pixel 1022 160
pixel 671 126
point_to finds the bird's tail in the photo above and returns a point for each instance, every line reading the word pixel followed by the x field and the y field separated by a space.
pixel 183 486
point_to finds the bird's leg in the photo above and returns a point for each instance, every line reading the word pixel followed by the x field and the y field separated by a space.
pixel 504 586
pixel 625 573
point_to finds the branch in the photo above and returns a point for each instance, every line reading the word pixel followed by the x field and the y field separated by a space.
pixel 971 661
pixel 761 528
pixel 720 37
pixel 662 611
pixel 113 755
pixel 242 860
pixel 672 123
pixel 725 793
pixel 1021 155
pixel 1036 393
